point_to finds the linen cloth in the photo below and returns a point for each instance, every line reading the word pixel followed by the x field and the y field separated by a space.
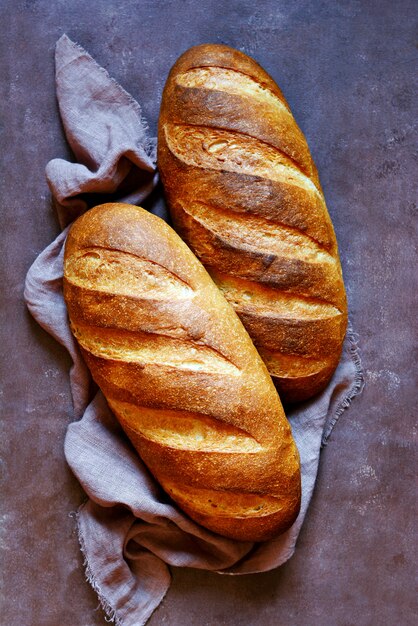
pixel 129 530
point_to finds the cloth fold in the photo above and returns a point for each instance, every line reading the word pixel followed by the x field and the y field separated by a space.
pixel 106 132
pixel 130 532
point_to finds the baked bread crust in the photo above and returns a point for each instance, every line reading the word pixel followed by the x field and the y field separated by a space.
pixel 180 373
pixel 244 193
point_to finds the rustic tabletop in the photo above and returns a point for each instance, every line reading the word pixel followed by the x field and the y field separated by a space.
pixel 347 70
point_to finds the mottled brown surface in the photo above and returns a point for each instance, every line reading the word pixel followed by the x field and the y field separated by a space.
pixel 346 70
pixel 232 118
pixel 178 365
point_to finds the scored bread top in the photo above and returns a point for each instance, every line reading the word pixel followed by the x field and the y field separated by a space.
pixel 180 373
pixel 244 193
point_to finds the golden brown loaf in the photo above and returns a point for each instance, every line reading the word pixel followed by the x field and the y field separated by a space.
pixel 180 373
pixel 244 194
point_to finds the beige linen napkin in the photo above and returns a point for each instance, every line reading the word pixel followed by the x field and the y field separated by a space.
pixel 129 529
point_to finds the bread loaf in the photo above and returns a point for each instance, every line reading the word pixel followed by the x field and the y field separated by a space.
pixel 244 194
pixel 180 373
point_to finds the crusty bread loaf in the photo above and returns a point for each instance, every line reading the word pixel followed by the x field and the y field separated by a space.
pixel 244 194
pixel 180 373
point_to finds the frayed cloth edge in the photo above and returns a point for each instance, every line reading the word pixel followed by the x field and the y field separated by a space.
pixel 148 142
pixel 109 611
pixel 355 389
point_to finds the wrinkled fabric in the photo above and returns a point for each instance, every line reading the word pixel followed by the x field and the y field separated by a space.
pixel 130 532
pixel 106 132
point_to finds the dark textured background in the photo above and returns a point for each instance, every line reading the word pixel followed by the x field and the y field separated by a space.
pixel 347 70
